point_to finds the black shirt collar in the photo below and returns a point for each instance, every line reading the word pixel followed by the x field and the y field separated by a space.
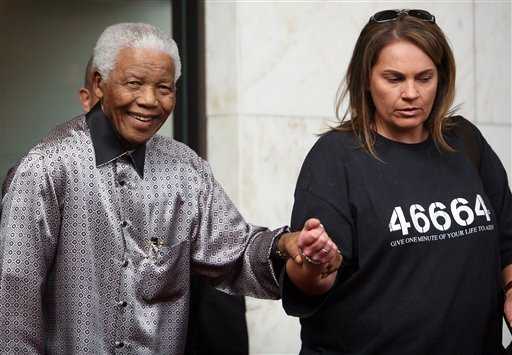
pixel 107 144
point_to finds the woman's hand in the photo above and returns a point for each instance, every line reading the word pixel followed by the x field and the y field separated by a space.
pixel 317 248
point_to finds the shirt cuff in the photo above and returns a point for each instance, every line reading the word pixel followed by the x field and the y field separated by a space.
pixel 277 264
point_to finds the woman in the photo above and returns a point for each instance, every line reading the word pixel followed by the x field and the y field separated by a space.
pixel 423 219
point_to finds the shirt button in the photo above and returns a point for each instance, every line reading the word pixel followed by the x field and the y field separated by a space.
pixel 119 344
pixel 124 224
pixel 122 304
pixel 124 263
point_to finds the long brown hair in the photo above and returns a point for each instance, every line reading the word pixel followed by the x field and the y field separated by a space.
pixel 358 117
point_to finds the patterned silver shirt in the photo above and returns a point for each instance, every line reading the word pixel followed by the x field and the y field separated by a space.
pixel 96 256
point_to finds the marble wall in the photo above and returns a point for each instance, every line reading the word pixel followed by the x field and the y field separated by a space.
pixel 273 69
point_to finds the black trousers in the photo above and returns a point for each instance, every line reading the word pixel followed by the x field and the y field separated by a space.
pixel 217 323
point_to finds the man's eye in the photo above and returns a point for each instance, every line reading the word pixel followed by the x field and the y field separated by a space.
pixel 166 89
pixel 134 83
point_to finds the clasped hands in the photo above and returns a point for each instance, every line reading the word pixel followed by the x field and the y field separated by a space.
pixel 314 257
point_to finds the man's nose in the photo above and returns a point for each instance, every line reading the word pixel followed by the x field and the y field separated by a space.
pixel 147 97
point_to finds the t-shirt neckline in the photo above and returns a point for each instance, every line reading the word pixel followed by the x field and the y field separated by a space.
pixel 380 139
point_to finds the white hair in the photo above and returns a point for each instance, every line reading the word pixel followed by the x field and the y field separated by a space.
pixel 132 35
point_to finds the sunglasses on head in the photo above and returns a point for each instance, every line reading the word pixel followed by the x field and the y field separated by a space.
pixel 392 15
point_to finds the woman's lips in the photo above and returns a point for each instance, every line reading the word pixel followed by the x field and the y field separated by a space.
pixel 409 112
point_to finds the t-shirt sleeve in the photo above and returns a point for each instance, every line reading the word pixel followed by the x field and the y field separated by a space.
pixel 495 182
pixel 321 192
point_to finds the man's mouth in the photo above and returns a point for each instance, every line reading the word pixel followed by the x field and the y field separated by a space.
pixel 143 117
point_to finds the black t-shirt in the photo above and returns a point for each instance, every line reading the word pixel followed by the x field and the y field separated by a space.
pixel 420 236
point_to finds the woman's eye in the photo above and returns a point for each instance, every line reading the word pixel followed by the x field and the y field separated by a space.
pixel 425 79
pixel 393 80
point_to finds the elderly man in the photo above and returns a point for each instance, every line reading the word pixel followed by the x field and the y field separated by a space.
pixel 105 220
pixel 208 305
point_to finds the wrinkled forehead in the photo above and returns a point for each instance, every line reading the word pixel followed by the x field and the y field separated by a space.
pixel 147 61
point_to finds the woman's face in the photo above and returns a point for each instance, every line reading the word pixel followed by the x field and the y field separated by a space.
pixel 403 85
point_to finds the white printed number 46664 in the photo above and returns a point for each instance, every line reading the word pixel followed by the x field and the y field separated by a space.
pixel 437 216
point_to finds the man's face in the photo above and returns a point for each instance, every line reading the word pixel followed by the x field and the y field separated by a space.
pixel 139 94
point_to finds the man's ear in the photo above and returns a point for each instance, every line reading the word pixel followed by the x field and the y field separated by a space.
pixel 97 86
pixel 85 99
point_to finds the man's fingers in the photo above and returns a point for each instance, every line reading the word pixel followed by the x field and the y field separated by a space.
pixel 290 246
pixel 298 259
pixel 294 251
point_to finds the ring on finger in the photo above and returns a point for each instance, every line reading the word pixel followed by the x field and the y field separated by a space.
pixel 312 261
pixel 309 259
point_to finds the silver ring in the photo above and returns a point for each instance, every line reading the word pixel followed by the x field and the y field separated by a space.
pixel 312 261
pixel 308 259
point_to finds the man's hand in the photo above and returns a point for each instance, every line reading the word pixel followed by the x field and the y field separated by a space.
pixel 315 258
